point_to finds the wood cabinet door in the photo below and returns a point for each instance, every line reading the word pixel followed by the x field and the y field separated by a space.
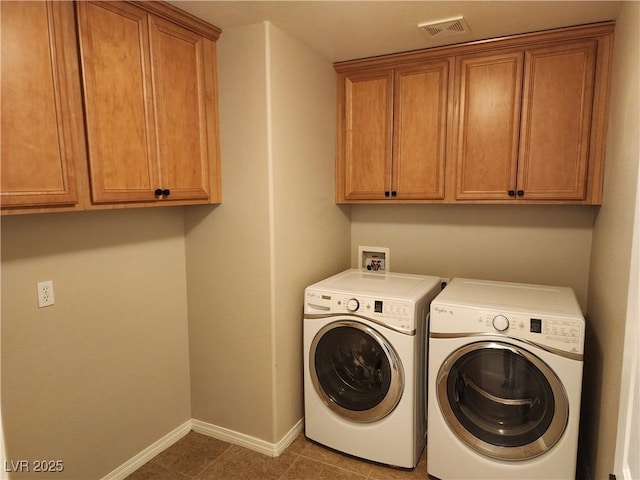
pixel 420 131
pixel 118 101
pixel 41 128
pixel 182 96
pixel 364 162
pixel 556 119
pixel 488 89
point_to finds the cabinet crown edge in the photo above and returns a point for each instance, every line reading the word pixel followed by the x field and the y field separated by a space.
pixel 591 30
pixel 179 16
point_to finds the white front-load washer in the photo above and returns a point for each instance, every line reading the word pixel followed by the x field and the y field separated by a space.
pixel 505 381
pixel 364 364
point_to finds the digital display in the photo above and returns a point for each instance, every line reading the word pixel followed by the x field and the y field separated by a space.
pixel 377 306
pixel 536 325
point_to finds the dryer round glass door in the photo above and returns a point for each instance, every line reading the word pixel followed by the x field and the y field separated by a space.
pixel 502 400
pixel 356 371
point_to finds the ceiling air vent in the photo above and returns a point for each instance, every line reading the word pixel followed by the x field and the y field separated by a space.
pixel 448 26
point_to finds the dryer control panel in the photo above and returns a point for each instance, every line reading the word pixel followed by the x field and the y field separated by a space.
pixel 552 330
pixel 548 316
pixel 393 313
pixel 564 333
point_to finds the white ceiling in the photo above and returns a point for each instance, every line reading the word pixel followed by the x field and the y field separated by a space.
pixel 346 30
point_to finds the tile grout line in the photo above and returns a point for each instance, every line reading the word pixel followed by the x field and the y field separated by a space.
pixel 297 459
pixel 215 460
pixel 334 465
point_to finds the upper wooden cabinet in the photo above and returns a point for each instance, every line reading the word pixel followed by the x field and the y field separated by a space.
pixel 392 132
pixel 42 135
pixel 150 106
pixel 486 133
pixel 556 121
pixel 368 107
pixel 147 133
pixel 525 140
pixel 420 131
pixel 524 122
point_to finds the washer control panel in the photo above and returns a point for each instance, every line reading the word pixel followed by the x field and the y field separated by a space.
pixel 397 314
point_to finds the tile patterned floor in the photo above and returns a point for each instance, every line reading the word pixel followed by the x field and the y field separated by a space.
pixel 200 457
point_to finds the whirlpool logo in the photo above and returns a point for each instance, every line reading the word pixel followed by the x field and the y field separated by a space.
pixel 441 310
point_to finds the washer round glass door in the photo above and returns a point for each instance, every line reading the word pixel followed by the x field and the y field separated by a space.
pixel 355 370
pixel 502 401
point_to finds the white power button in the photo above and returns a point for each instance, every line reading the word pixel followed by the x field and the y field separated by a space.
pixel 353 305
pixel 500 323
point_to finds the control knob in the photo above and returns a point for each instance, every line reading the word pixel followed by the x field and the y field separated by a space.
pixel 500 323
pixel 353 304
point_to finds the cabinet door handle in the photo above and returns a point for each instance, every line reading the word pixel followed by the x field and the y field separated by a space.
pixel 166 192
pixel 387 193
pixel 521 193
pixel 157 192
pixel 394 193
pixel 512 193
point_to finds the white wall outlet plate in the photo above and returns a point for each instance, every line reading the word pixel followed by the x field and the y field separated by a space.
pixel 374 259
pixel 45 294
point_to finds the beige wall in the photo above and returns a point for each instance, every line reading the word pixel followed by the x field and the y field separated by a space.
pixel 103 373
pixel 228 274
pixel 611 253
pixel 534 244
pixel 277 231
pixel 311 234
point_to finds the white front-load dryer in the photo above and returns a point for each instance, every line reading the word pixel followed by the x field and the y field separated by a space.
pixel 364 364
pixel 505 381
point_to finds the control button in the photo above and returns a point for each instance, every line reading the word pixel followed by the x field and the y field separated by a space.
pixel 353 305
pixel 500 323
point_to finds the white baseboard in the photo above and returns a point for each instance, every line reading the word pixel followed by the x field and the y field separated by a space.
pixel 247 441
pixel 221 433
pixel 131 465
pixel 291 435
